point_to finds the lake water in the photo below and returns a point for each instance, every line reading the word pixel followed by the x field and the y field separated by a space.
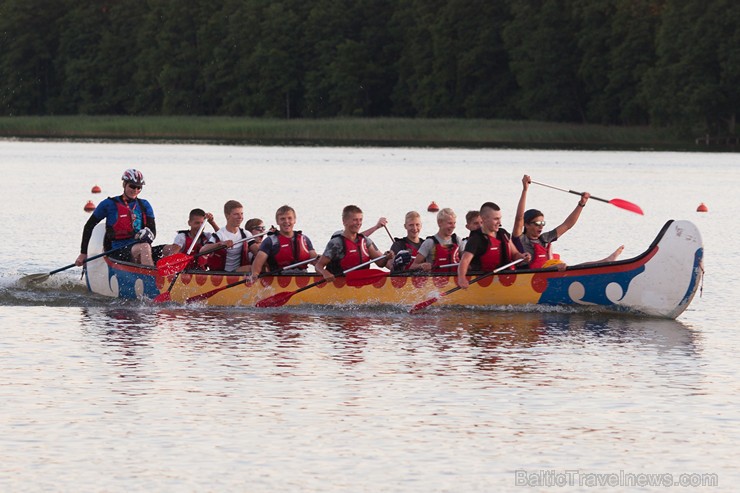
pixel 105 395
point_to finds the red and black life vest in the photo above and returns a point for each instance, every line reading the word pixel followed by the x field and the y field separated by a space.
pixel 217 259
pixel 123 228
pixel 413 249
pixel 352 254
pixel 445 254
pixel 496 251
pixel 202 240
pixel 541 255
pixel 292 250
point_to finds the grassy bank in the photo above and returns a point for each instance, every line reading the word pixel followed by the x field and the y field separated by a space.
pixel 350 131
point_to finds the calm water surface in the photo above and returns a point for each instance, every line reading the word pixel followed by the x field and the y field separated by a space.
pixel 103 395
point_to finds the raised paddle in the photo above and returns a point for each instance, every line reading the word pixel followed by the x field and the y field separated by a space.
pixel 282 298
pixel 44 276
pixel 420 306
pixel 622 204
pixel 208 294
pixel 179 261
pixel 164 297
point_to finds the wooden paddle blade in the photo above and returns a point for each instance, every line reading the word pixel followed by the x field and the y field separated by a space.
pixel 275 300
pixel 629 206
pixel 365 277
pixel 173 264
pixel 420 306
pixel 34 278
pixel 162 297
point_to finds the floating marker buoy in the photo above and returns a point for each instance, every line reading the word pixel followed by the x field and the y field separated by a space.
pixel 89 207
pixel 95 189
pixel 433 207
pixel 702 208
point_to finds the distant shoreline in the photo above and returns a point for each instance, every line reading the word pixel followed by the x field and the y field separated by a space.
pixel 352 132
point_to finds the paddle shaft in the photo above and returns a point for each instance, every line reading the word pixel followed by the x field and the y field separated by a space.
pixel 206 295
pixel 569 191
pixel 88 259
pixel 281 298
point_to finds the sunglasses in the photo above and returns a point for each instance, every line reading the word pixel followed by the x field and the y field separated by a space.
pixel 538 223
pixel 258 228
pixel 133 187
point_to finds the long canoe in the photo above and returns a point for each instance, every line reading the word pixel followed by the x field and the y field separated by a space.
pixel 659 282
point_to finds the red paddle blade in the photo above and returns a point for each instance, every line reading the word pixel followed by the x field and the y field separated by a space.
pixel 173 264
pixel 205 296
pixel 364 277
pixel 162 297
pixel 629 206
pixel 420 306
pixel 275 300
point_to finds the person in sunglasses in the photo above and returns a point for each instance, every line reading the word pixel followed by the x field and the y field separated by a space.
pixel 529 233
pixel 129 224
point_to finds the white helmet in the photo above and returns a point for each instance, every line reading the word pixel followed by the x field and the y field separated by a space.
pixel 133 176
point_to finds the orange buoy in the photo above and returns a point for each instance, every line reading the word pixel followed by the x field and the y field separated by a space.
pixel 702 208
pixel 95 189
pixel 433 207
pixel 89 207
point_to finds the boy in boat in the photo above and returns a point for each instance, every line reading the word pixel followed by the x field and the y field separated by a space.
pixel 488 247
pixel 349 248
pixel 287 247
pixel 472 222
pixel 185 238
pixel 235 257
pixel 438 252
pixel 406 248
pixel 529 237
pixel 129 224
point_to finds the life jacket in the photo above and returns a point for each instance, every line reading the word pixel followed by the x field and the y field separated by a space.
pixel 352 254
pixel 291 250
pixel 413 250
pixel 217 259
pixel 123 228
pixel 410 247
pixel 202 240
pixel 541 255
pixel 496 253
pixel 445 254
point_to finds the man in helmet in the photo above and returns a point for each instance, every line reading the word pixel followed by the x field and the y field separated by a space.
pixel 129 224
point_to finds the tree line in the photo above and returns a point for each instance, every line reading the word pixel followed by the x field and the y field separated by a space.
pixel 619 62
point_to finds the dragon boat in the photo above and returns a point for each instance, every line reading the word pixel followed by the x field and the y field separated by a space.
pixel 660 282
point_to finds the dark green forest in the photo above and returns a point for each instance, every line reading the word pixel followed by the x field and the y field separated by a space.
pixel 666 63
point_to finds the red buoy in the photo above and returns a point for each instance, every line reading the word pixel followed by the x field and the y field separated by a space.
pixel 433 207
pixel 702 208
pixel 89 207
pixel 95 189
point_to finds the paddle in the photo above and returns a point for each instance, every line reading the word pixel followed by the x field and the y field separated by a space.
pixel 44 276
pixel 389 234
pixel 179 261
pixel 623 204
pixel 420 306
pixel 163 297
pixel 208 294
pixel 282 298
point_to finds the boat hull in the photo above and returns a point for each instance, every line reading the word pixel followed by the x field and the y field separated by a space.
pixel 660 282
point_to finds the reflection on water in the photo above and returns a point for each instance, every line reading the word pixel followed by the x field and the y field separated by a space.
pixel 498 345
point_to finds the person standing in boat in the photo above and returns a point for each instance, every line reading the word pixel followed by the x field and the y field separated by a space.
pixel 284 248
pixel 129 224
pixel 529 235
pixel 406 248
pixel 442 249
pixel 488 247
pixel 239 243
pixel 349 248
